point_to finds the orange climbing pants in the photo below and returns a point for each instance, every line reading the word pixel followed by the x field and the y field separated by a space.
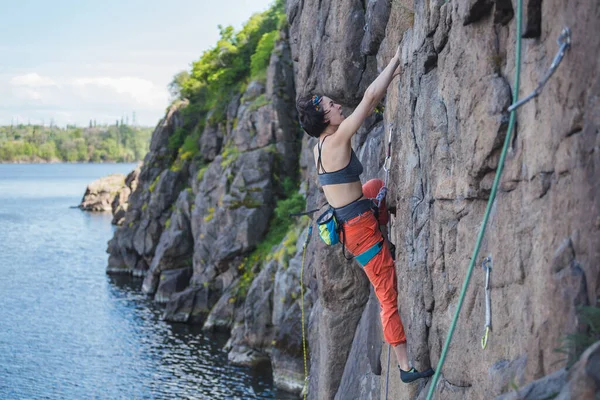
pixel 360 234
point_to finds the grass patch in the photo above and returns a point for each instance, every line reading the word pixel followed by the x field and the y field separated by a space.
pixel 210 215
pixel 153 184
pixel 248 202
pixel 288 246
pixel 201 173
pixel 259 102
pixel 230 155
pixel 279 226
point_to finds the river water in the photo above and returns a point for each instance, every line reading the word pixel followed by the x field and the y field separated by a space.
pixel 68 330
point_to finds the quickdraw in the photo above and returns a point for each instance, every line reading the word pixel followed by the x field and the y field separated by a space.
pixel 487 267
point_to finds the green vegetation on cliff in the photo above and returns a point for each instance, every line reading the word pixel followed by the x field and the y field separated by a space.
pixel 224 71
pixel 280 226
pixel 36 143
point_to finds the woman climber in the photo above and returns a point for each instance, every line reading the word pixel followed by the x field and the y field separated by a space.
pixel 339 170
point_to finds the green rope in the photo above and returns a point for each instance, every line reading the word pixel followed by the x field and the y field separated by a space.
pixel 489 204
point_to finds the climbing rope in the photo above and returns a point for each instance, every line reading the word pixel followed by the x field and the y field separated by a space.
pixel 564 42
pixel 305 387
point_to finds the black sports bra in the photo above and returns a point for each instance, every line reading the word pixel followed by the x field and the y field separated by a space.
pixel 350 173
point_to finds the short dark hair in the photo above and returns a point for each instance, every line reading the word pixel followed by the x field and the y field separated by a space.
pixel 311 114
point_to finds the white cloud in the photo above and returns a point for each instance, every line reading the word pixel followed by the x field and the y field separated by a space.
pixel 28 94
pixel 77 99
pixel 32 80
pixel 142 91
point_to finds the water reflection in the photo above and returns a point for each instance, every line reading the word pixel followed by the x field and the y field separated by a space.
pixel 187 361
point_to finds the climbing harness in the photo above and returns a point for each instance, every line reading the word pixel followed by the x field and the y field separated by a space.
pixel 487 267
pixel 507 141
pixel 564 41
pixel 305 387
pixel 308 213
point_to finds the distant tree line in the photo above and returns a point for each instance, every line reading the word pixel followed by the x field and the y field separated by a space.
pixel 37 143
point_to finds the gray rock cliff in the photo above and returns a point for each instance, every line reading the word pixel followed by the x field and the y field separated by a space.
pixel 448 119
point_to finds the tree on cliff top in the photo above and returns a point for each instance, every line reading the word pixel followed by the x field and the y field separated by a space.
pixel 225 69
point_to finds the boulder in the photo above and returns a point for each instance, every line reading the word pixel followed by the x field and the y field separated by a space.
pixel 100 194
pixel 222 315
pixel 172 281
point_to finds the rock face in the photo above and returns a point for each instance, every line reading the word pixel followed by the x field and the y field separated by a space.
pixel 132 248
pixel 447 116
pixel 190 230
pixel 120 204
pixel 582 381
pixel 190 225
pixel 100 194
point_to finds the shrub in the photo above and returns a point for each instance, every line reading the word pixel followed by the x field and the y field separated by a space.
pixel 229 155
pixel 227 67
pixel 190 143
pixel 259 102
pixel 177 138
pixel 261 57
pixel 201 173
pixel 210 215
pixel 153 184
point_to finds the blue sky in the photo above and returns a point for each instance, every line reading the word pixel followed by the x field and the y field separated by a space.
pixel 71 61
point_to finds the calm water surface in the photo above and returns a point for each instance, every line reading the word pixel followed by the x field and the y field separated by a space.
pixel 69 331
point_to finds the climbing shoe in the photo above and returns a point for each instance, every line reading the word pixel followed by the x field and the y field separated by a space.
pixel 412 375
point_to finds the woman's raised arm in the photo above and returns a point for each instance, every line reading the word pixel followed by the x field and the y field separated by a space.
pixel 371 98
